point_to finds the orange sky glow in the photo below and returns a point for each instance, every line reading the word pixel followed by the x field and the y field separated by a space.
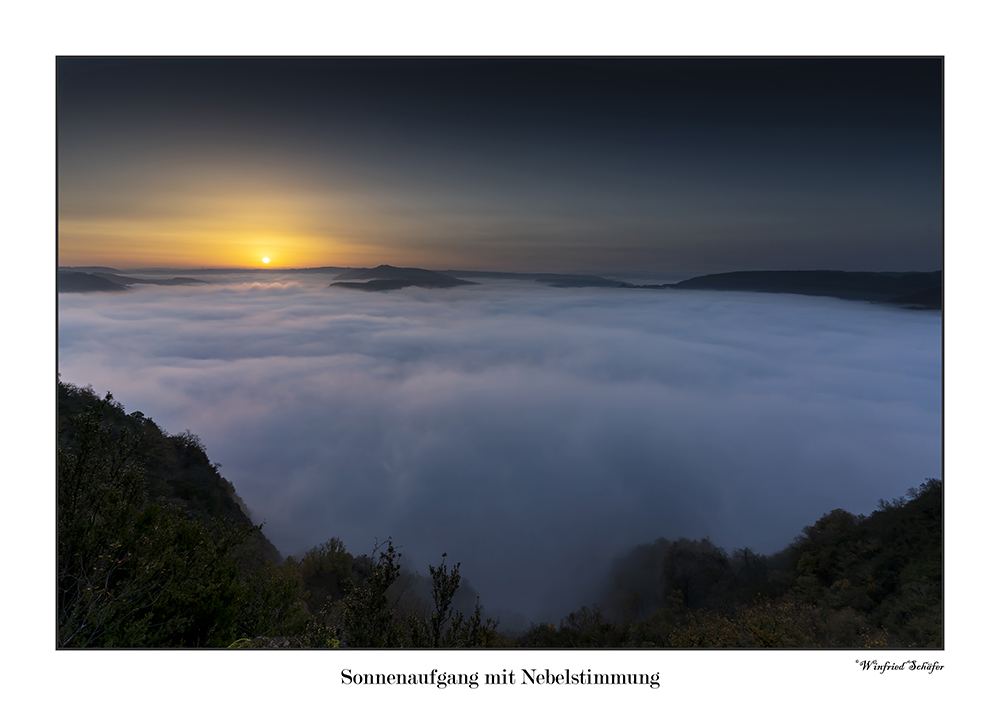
pixel 472 165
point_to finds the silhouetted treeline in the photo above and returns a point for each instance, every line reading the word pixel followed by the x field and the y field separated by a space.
pixel 155 550
pixel 846 581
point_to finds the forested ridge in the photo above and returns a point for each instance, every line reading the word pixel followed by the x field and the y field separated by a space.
pixel 155 550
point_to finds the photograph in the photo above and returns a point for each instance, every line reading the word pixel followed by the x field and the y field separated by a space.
pixel 500 352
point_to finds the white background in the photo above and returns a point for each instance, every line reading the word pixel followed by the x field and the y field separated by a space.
pixel 35 34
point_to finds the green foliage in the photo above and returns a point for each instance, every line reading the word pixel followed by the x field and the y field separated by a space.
pixel 847 581
pixel 271 603
pixel 883 570
pixel 445 585
pixel 699 570
pixel 175 469
pixel 321 630
pixel 369 619
pixel 99 496
pixel 138 573
pixel 765 623
pixel 585 627
pixel 133 573
pixel 326 571
pixel 446 628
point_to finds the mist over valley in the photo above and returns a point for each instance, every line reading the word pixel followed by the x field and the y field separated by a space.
pixel 533 432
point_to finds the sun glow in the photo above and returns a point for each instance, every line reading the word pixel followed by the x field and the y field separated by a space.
pixel 266 260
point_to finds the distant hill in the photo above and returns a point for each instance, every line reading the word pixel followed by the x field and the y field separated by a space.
pixel 384 285
pixel 88 270
pixel 578 281
pixel 929 298
pixel 104 281
pixel 83 282
pixel 913 289
pixel 551 279
pixel 387 277
pixel 318 270
pixel 485 274
pixel 120 279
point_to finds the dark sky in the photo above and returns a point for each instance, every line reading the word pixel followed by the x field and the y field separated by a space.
pixel 600 165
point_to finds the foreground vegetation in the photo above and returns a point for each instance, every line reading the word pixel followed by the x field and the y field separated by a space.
pixel 846 581
pixel 156 550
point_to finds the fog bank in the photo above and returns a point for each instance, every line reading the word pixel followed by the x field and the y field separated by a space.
pixel 529 432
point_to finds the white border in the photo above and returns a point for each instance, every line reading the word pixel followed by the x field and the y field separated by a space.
pixel 43 30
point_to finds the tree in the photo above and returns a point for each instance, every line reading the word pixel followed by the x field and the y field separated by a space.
pixel 100 494
pixel 699 571
pixel 135 573
pixel 446 628
pixel 368 616
pixel 372 620
pixel 326 571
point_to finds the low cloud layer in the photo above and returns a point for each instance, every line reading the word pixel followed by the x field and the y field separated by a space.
pixel 529 432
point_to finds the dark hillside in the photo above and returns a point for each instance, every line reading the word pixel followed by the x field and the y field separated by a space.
pixel 917 289
pixel 886 566
pixel 153 549
pixel 386 277
pixel 846 581
pixel 173 281
pixel 177 468
pixel 930 298
pixel 83 282
pixel 567 281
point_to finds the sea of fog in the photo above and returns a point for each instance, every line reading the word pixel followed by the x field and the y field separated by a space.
pixel 530 432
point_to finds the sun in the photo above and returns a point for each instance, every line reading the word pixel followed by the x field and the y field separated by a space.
pixel 266 260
